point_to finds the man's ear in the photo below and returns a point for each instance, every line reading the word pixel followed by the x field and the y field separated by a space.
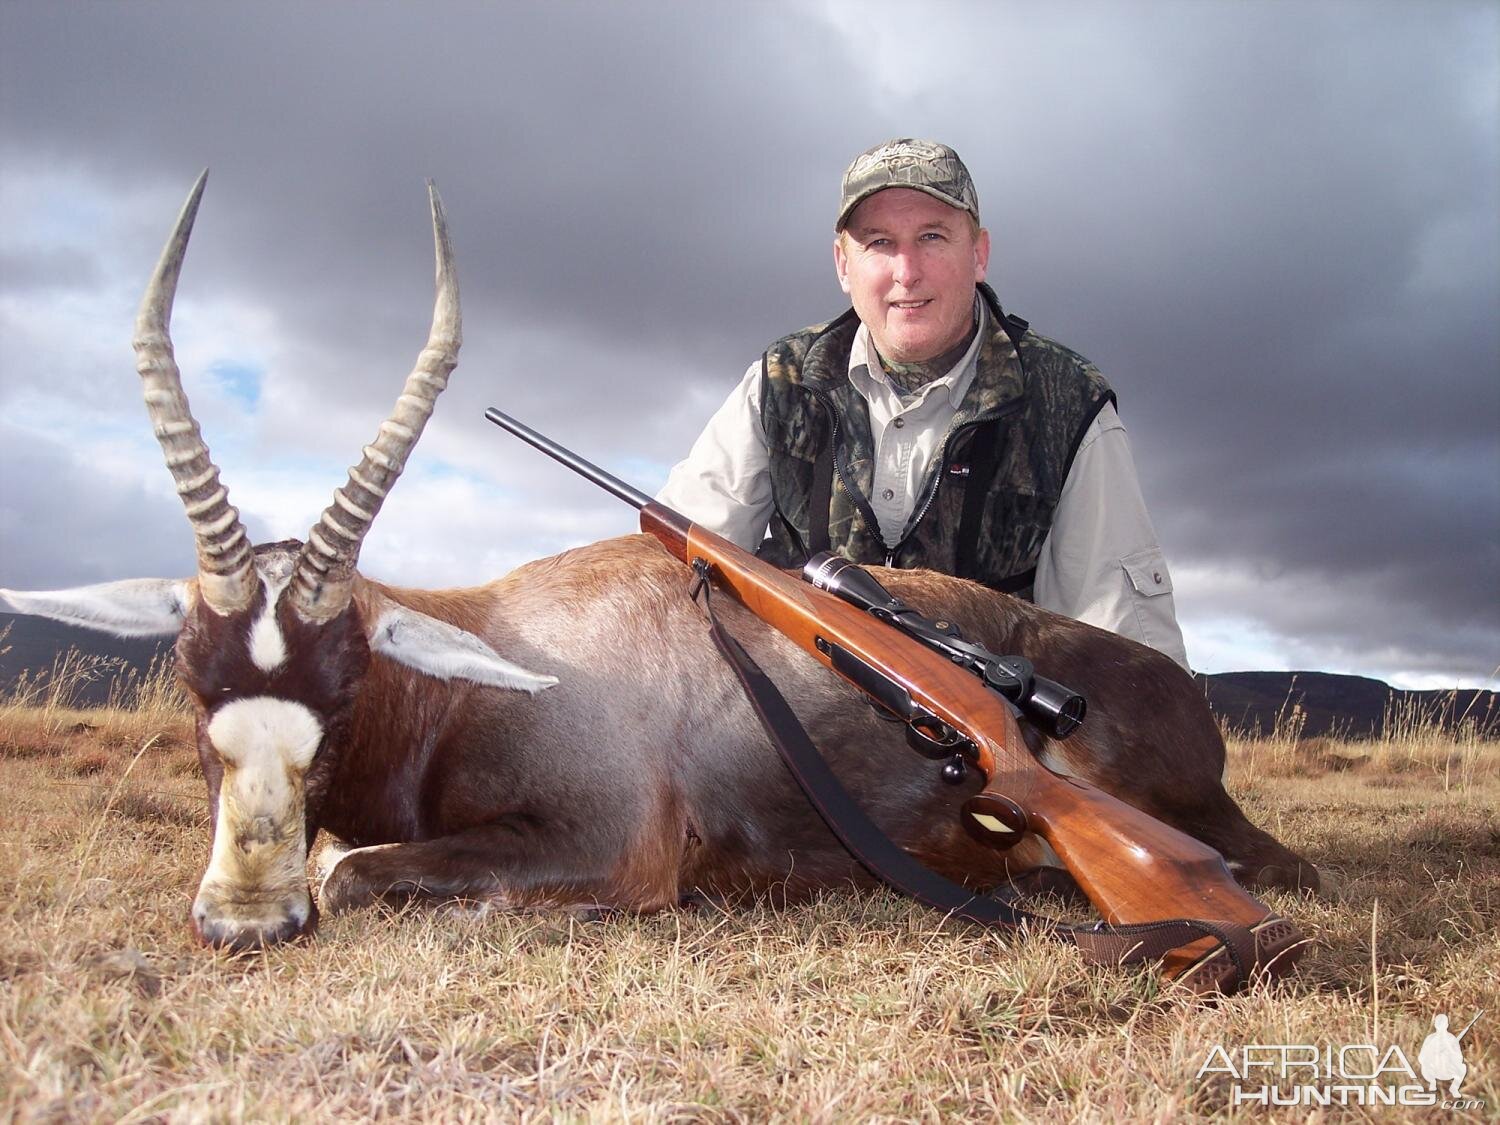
pixel 981 255
pixel 841 262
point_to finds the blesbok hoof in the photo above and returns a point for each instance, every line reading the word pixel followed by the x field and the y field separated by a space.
pixel 342 891
pixel 1304 877
pixel 346 884
pixel 1330 884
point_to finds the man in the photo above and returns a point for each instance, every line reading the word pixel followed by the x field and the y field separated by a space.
pixel 926 427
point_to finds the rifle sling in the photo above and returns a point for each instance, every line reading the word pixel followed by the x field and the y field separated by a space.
pixel 881 857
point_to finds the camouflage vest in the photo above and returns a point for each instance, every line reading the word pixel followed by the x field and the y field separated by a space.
pixel 989 500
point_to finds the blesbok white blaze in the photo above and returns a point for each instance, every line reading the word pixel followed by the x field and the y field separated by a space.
pixel 256 882
pixel 267 642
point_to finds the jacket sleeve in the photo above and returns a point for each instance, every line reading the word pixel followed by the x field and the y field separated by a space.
pixel 1101 562
pixel 724 484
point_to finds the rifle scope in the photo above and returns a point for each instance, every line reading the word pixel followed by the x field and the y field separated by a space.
pixel 1056 709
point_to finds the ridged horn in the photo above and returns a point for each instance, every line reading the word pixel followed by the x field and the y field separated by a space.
pixel 324 579
pixel 226 572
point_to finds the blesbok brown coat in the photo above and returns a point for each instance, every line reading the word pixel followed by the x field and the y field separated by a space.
pixel 567 735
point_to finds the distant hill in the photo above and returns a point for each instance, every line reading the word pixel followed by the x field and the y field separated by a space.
pixel 1321 703
pixel 1251 702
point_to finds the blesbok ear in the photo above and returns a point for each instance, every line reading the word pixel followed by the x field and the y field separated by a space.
pixel 135 607
pixel 447 652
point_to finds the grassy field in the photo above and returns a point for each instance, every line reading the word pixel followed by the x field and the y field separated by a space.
pixel 850 1009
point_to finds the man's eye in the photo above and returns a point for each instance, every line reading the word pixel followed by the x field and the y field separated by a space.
pixel 932 236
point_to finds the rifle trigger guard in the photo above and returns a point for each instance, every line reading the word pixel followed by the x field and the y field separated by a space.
pixel 929 736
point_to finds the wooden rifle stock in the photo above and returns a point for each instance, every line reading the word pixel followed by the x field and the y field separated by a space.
pixel 1133 868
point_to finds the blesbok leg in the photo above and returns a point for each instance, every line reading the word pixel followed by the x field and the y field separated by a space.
pixel 513 864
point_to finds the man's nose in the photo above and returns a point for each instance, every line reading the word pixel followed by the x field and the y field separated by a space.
pixel 905 270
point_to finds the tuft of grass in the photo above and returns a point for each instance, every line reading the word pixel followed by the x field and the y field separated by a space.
pixel 153 808
pixel 1422 756
pixel 1433 744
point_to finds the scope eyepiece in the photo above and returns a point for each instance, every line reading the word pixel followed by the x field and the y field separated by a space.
pixel 1056 709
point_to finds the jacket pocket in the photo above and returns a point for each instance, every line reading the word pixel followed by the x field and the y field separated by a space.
pixel 1147 571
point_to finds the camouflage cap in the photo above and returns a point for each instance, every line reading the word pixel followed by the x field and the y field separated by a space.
pixel 909 163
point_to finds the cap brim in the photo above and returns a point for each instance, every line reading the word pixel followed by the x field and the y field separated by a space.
pixel 956 204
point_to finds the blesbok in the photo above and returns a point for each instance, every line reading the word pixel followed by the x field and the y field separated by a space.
pixel 616 762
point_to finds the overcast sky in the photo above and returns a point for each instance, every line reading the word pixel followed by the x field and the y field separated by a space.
pixel 1274 226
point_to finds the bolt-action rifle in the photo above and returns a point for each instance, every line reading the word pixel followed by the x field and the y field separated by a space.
pixel 1162 894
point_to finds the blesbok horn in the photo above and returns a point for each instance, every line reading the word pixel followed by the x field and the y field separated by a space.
pixel 226 575
pixel 324 580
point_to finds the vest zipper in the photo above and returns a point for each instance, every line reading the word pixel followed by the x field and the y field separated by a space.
pixel 942 467
pixel 860 500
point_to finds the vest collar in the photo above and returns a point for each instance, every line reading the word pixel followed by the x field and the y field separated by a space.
pixel 1000 375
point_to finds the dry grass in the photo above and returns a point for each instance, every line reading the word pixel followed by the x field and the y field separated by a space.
pixel 851 1009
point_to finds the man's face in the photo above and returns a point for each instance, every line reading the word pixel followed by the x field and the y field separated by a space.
pixel 910 263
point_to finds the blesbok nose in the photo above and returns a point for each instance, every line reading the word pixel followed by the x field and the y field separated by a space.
pixel 252 926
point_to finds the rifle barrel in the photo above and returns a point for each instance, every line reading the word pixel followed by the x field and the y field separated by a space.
pixel 1472 1022
pixel 612 484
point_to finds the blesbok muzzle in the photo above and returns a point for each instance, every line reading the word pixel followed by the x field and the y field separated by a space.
pixel 224 919
pixel 255 892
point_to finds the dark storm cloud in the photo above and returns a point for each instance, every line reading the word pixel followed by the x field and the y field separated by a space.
pixel 1318 378
pixel 1273 226
pixel 589 153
